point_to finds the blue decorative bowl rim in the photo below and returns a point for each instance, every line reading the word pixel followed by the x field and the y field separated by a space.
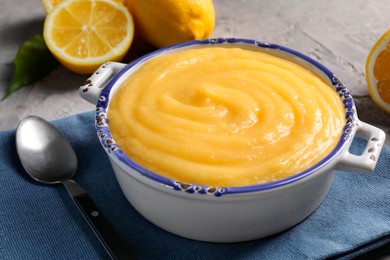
pixel 102 127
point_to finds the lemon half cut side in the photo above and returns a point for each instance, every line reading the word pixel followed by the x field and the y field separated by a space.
pixel 83 34
pixel 378 72
pixel 50 4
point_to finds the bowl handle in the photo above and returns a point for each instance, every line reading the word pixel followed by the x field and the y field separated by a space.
pixel 367 160
pixel 94 85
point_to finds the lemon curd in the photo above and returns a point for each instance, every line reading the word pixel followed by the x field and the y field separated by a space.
pixel 225 117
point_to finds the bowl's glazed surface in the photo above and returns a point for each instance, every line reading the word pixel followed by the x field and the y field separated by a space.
pixel 229 214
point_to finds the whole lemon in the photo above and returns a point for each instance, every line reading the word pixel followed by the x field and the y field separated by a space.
pixel 166 22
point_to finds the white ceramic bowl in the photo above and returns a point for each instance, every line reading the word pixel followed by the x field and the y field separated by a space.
pixel 229 214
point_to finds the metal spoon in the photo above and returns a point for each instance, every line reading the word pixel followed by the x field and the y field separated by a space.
pixel 48 157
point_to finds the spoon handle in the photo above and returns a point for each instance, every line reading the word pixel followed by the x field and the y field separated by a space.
pixel 114 244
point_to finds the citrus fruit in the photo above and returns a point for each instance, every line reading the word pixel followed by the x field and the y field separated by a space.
pixel 378 72
pixel 167 22
pixel 49 4
pixel 83 34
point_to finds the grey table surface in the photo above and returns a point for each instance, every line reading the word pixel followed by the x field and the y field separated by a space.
pixel 337 33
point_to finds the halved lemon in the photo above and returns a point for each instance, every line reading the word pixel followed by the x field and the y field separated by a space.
pixel 378 72
pixel 83 34
pixel 49 4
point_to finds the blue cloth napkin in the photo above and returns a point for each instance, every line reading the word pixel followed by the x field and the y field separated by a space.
pixel 40 221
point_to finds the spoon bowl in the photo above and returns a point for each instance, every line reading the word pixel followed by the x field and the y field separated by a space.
pixel 48 157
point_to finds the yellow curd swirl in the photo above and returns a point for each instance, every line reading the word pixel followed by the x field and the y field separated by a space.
pixel 223 116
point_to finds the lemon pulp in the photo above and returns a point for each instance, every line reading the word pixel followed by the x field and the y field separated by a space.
pixel 84 34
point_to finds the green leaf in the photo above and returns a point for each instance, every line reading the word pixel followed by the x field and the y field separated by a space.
pixel 33 61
